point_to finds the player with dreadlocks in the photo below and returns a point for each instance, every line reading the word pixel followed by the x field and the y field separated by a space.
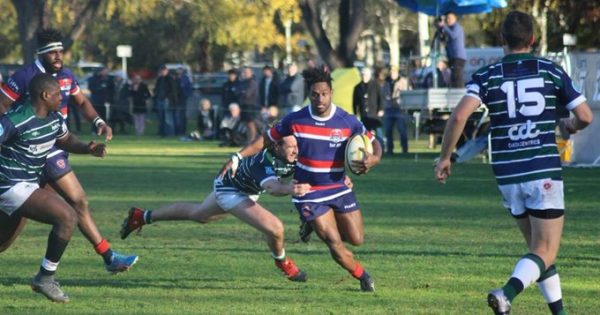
pixel 330 207
pixel 57 173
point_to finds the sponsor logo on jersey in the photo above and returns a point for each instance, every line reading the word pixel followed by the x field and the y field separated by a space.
pixel 547 185
pixel 65 84
pixel 336 137
pixel 43 147
pixel 523 131
pixel 269 170
pixel 1 130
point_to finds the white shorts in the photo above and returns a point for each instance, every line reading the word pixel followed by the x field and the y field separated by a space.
pixel 229 197
pixel 534 196
pixel 13 199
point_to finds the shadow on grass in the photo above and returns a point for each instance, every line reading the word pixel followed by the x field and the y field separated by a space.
pixel 199 283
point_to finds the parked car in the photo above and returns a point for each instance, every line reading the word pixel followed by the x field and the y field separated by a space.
pixel 209 83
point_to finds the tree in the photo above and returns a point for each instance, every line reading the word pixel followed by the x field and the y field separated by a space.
pixel 351 23
pixel 33 15
pixel 387 19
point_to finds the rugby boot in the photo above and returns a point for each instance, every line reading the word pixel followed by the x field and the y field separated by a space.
pixel 290 270
pixel 366 283
pixel 49 288
pixel 498 302
pixel 120 263
pixel 305 231
pixel 134 221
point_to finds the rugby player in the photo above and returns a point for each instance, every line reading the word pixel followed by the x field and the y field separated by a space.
pixel 237 194
pixel 28 134
pixel 58 175
pixel 330 207
pixel 523 93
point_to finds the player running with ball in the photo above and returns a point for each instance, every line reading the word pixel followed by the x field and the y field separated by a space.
pixel 330 207
pixel 523 93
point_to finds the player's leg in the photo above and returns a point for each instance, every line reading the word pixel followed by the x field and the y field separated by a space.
pixel 10 228
pixel 263 220
pixel 61 179
pixel 350 225
pixel 204 212
pixel 349 218
pixel 542 230
pixel 545 242
pixel 325 225
pixel 47 207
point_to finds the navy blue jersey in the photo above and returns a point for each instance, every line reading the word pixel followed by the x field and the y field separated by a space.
pixel 25 141
pixel 523 94
pixel 321 149
pixel 17 86
pixel 254 171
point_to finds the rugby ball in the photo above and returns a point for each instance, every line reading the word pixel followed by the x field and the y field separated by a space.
pixel 354 152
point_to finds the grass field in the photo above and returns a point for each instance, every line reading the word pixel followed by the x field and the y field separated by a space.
pixel 431 249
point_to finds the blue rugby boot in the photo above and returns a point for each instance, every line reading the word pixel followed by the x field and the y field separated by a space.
pixel 120 263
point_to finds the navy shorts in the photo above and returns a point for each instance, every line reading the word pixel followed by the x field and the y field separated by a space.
pixel 345 203
pixel 56 167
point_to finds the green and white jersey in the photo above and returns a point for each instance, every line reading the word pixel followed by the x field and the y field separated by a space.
pixel 523 93
pixel 25 141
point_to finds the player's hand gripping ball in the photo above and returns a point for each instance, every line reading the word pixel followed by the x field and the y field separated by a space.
pixel 354 151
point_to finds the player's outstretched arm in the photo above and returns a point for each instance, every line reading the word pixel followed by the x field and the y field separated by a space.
pixel 277 188
pixel 250 149
pixel 454 127
pixel 72 144
pixel 91 115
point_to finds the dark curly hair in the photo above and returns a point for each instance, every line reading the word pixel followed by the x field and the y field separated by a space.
pixel 316 75
pixel 49 35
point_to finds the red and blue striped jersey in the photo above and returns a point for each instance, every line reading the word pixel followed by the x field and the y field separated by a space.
pixel 321 147
pixel 17 86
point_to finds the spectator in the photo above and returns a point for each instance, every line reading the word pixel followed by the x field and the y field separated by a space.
pixel 165 94
pixel 229 94
pixel 102 90
pixel 139 93
pixel 394 114
pixel 292 90
pixel 232 128
pixel 248 93
pixel 119 115
pixel 455 48
pixel 185 92
pixel 268 89
pixel 367 102
pixel 443 75
pixel 205 122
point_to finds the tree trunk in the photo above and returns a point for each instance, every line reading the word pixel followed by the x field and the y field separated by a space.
pixel 314 24
pixel 32 16
pixel 29 19
pixel 352 22
pixel 392 37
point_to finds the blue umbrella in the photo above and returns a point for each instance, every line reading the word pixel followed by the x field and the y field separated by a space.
pixel 439 7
